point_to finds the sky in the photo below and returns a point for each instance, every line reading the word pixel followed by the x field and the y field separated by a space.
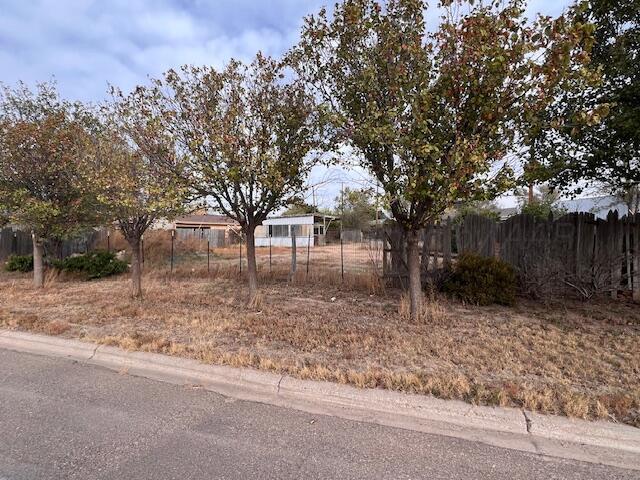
pixel 87 45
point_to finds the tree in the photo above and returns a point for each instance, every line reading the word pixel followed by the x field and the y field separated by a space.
pixel 45 159
pixel 356 208
pixel 542 204
pixel 629 194
pixel 431 113
pixel 603 153
pixel 135 192
pixel 243 137
pixel 485 208
pixel 297 206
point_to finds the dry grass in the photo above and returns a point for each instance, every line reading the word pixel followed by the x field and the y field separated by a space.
pixel 355 257
pixel 580 360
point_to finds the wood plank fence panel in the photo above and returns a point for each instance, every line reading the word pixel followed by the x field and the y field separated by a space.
pixel 576 250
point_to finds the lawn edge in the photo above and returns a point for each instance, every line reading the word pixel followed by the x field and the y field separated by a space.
pixel 591 441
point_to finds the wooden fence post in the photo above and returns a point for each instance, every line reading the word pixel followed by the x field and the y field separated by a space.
pixel 426 247
pixel 636 256
pixel 446 243
pixel 614 251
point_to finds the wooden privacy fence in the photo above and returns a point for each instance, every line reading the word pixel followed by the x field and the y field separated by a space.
pixel 14 242
pixel 216 238
pixel 436 250
pixel 19 242
pixel 576 251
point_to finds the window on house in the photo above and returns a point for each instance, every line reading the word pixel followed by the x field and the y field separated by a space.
pixel 297 229
pixel 279 230
pixel 319 230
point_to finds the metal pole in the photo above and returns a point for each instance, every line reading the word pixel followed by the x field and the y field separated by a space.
pixel 269 253
pixel 108 240
pixel 173 236
pixel 341 231
pixel 294 258
pixel 308 250
pixel 313 193
pixel 208 256
pixel 240 254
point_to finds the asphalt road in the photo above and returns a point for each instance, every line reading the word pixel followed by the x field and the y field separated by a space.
pixel 63 420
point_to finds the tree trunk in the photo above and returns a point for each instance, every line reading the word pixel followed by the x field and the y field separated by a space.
pixel 415 282
pixel 136 268
pixel 38 263
pixel 252 269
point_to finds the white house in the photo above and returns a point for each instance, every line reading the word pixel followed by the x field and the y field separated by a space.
pixel 308 229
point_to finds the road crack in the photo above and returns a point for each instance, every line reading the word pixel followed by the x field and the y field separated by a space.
pixel 528 421
pixel 94 352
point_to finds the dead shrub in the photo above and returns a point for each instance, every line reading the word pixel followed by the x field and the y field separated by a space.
pixel 256 302
pixel 57 327
pixel 28 321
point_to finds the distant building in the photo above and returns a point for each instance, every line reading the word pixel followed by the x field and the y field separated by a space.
pixel 309 229
pixel 214 222
pixel 508 212
pixel 220 230
pixel 599 206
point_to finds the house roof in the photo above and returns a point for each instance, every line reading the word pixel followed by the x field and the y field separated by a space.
pixel 305 215
pixel 599 206
pixel 204 220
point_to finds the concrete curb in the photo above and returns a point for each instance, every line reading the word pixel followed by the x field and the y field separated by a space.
pixel 596 442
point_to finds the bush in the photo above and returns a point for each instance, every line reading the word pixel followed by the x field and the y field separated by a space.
pixel 96 264
pixel 19 263
pixel 482 280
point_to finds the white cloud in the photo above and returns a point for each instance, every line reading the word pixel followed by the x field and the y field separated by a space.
pixel 87 45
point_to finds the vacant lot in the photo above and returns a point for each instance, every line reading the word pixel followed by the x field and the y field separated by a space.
pixel 191 251
pixel 580 360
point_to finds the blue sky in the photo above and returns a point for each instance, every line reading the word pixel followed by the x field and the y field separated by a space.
pixel 88 44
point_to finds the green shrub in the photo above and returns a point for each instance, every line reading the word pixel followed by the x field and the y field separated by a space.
pixel 97 264
pixel 19 263
pixel 482 280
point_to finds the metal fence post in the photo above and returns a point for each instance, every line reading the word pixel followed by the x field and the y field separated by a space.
pixel 208 255
pixel 108 240
pixel 341 255
pixel 294 262
pixel 240 250
pixel 341 230
pixel 308 251
pixel 173 236
pixel 269 253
